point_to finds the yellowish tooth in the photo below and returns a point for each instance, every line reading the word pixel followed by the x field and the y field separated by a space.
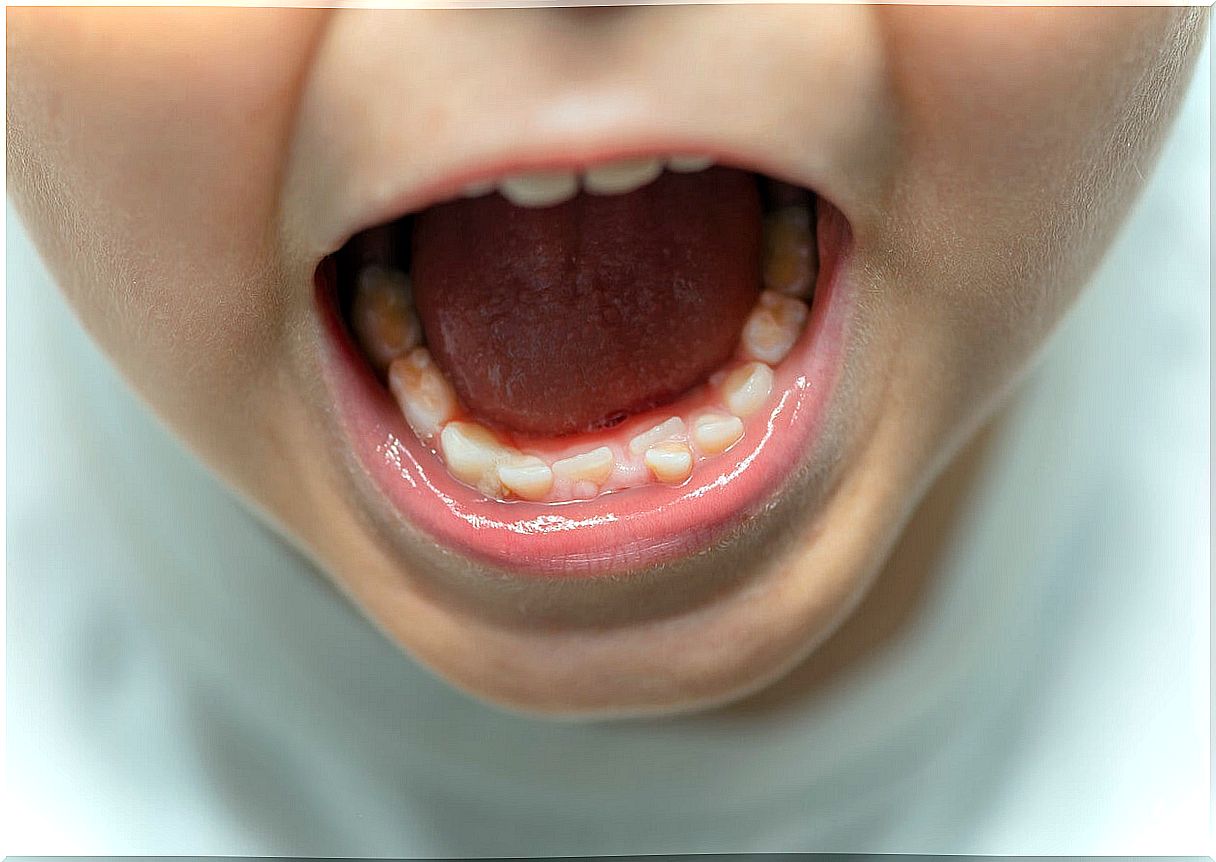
pixel 526 476
pixel 472 454
pixel 714 433
pixel 594 466
pixel 673 427
pixel 791 257
pixel 615 178
pixel 424 395
pixel 773 327
pixel 540 189
pixel 688 164
pixel 669 462
pixel 382 315
pixel 745 389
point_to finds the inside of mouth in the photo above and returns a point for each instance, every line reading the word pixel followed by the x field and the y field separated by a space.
pixel 556 336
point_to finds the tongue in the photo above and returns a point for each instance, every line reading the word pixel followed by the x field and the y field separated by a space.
pixel 569 318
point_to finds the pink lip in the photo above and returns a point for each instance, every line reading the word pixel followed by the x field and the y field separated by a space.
pixel 622 532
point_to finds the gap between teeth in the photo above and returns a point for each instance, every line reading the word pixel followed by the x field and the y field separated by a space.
pixel 548 188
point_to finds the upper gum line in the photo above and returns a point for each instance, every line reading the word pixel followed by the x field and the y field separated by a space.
pixel 663 445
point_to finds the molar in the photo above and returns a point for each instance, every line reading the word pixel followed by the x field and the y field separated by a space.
pixel 424 395
pixel 791 258
pixel 773 327
pixel 745 389
pixel 382 315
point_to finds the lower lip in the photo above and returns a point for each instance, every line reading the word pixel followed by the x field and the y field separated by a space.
pixel 618 533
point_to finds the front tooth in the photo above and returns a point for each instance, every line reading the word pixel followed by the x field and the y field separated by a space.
pixel 773 327
pixel 714 433
pixel 688 164
pixel 382 316
pixel 673 427
pixel 669 462
pixel 617 178
pixel 424 395
pixel 540 189
pixel 526 476
pixel 594 466
pixel 791 259
pixel 745 389
pixel 476 190
pixel 473 455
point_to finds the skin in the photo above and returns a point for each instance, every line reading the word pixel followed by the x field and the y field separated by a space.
pixel 181 171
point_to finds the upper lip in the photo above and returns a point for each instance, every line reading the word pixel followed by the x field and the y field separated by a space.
pixel 358 161
pixel 378 201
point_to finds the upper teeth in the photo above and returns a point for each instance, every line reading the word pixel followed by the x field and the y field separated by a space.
pixel 539 189
pixel 616 178
pixel 548 188
pixel 688 164
pixel 476 190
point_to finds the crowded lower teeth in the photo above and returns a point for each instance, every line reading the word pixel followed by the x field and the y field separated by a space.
pixel 665 450
pixel 549 188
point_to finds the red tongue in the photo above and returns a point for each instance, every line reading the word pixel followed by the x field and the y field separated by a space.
pixel 563 319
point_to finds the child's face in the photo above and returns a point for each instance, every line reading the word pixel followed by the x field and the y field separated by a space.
pixel 184 172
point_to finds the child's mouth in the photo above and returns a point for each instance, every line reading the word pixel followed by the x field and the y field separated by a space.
pixel 590 371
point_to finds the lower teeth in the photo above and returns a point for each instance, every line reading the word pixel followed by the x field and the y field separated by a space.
pixel 387 329
pixel 791 259
pixel 382 315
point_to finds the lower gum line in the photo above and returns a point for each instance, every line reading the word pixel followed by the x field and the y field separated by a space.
pixel 660 446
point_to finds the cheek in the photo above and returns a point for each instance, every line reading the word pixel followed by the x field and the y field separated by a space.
pixel 1026 134
pixel 148 148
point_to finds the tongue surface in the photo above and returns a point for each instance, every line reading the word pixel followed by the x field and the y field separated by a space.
pixel 568 318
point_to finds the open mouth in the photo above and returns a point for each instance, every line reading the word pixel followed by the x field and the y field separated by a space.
pixel 593 371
